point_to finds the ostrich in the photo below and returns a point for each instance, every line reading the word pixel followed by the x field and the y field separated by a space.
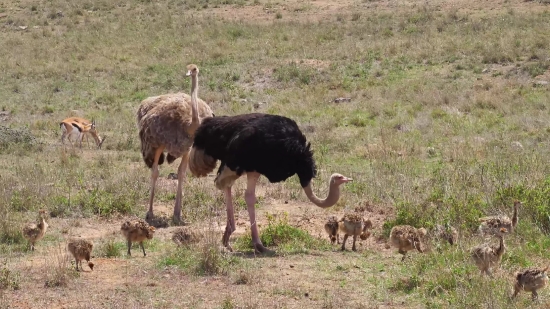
pixel 137 231
pixel 486 256
pixel 331 227
pixel 406 238
pixel 531 280
pixel 81 249
pixel 256 144
pixel 35 231
pixel 445 233
pixel 354 225
pixel 167 123
pixel 492 224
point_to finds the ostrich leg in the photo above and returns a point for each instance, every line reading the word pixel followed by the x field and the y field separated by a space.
pixel 154 176
pixel 182 169
pixel 250 198
pixel 230 227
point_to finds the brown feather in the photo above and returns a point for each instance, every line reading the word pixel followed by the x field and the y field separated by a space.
pixel 164 121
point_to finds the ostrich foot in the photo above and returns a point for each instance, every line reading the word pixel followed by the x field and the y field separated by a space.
pixel 176 219
pixel 225 238
pixel 259 248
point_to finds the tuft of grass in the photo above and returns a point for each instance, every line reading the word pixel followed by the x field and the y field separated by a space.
pixel 111 248
pixel 58 270
pixel 203 259
pixel 9 279
pixel 287 238
pixel 292 73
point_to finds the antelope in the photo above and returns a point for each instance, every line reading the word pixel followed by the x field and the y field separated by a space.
pixel 76 128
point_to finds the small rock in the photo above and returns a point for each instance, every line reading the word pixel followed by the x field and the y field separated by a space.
pixel 401 127
pixel 172 176
pixel 540 83
pixel 431 151
pixel 23 27
pixel 341 100
pixel 291 266
pixel 517 145
pixel 306 294
pixel 485 70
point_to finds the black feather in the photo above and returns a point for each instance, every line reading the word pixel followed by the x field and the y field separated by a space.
pixel 271 145
pixel 170 158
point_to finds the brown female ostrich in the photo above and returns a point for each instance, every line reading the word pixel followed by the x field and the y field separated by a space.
pixel 486 256
pixel 167 123
pixel 531 280
pixel 492 224
pixel 255 145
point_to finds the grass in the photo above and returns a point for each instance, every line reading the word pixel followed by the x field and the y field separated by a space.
pixel 445 124
pixel 59 272
pixel 287 238
pixel 9 279
pixel 201 259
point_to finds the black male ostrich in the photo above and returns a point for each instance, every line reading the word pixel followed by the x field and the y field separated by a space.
pixel 256 144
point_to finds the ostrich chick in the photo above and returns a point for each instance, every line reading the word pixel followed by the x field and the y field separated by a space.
pixel 331 227
pixel 406 238
pixel 81 249
pixel 137 231
pixel 531 280
pixel 446 233
pixel 486 256
pixel 354 225
pixel 492 224
pixel 33 232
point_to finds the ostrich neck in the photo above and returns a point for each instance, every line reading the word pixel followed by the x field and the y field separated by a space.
pixel 195 122
pixel 501 247
pixel 515 216
pixel 43 225
pixel 330 200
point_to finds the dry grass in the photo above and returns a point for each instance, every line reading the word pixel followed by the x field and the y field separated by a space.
pixel 447 121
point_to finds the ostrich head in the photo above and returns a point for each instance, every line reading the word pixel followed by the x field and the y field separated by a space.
pixel 192 70
pixel 338 179
pixel 422 232
pixel 501 232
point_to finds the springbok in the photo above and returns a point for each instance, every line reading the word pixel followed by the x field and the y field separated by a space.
pixel 77 127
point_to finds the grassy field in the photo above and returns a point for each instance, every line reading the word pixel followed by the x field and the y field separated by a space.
pixel 448 120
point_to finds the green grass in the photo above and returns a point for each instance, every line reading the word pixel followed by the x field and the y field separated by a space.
pixel 288 239
pixel 203 259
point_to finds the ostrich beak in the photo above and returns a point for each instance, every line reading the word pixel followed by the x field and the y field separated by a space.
pixel 188 73
pixel 346 179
